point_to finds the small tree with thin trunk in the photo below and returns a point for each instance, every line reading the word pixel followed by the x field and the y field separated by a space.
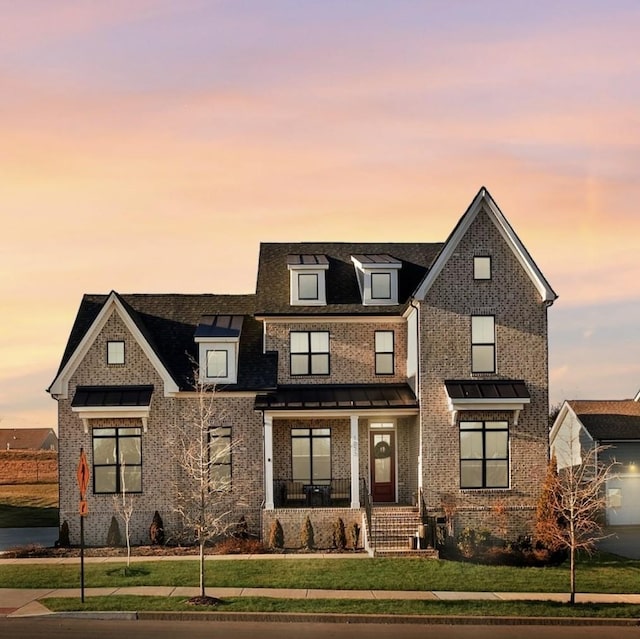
pixel 203 498
pixel 577 501
pixel 123 504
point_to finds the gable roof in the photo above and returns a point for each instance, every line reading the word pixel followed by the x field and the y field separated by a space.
pixel 27 438
pixel 608 419
pixel 484 202
pixel 165 324
pixel 343 292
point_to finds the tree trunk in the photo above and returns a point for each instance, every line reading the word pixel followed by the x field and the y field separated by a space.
pixel 572 596
pixel 202 567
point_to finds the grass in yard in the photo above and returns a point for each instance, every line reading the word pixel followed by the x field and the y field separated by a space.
pixel 347 606
pixel 28 505
pixel 604 573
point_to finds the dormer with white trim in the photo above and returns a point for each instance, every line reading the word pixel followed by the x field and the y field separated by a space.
pixel 307 286
pixel 218 337
pixel 377 278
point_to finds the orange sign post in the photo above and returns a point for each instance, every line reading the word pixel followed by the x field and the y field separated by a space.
pixel 82 475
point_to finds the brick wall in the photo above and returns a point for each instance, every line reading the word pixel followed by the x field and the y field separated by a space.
pixel 521 352
pixel 352 351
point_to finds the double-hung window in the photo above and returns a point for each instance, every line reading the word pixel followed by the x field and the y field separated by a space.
pixel 311 455
pixel 384 352
pixel 117 460
pixel 220 458
pixel 483 344
pixel 484 454
pixel 309 352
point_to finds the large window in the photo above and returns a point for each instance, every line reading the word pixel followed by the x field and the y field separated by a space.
pixel 484 454
pixel 311 455
pixel 384 352
pixel 309 352
pixel 220 458
pixel 117 460
pixel 483 344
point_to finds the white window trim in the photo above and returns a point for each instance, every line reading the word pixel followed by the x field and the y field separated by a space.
pixel 231 347
pixel 365 282
pixel 311 269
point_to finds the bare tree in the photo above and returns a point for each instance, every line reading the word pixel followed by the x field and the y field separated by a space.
pixel 123 505
pixel 203 498
pixel 578 499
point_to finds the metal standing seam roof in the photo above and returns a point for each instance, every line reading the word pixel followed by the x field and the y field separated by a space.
pixel 105 396
pixel 219 326
pixel 319 396
pixel 305 259
pixel 487 389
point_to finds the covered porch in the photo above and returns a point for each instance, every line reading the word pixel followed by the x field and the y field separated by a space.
pixel 340 446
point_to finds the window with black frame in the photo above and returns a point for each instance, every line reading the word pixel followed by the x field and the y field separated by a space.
pixel 309 352
pixel 220 458
pixel 311 455
pixel 484 454
pixel 117 460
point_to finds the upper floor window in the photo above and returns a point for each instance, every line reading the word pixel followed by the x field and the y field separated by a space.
pixel 115 352
pixel 384 352
pixel 484 454
pixel 117 460
pixel 220 458
pixel 482 268
pixel 483 344
pixel 377 277
pixel 307 279
pixel 217 363
pixel 309 352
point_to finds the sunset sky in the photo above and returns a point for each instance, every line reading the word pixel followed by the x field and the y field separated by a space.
pixel 149 146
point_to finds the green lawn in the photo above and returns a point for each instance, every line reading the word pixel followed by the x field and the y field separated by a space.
pixel 355 606
pixel 23 505
pixel 603 573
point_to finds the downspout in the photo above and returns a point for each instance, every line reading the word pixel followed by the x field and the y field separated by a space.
pixel 417 390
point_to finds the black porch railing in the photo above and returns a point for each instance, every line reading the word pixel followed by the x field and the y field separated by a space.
pixel 327 493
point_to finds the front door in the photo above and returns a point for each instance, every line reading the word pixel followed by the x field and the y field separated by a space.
pixel 383 466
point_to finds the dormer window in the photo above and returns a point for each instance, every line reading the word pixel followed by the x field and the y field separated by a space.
pixel 377 278
pixel 306 280
pixel 218 337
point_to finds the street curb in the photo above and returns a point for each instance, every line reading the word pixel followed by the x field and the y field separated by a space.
pixel 287 617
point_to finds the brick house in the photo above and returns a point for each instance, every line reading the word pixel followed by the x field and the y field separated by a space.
pixel 407 375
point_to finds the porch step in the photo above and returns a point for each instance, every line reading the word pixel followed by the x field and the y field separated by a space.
pixel 392 531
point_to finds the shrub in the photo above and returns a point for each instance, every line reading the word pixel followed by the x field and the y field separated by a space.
pixel 114 538
pixel 339 534
pixel 63 540
pixel 236 546
pixel 307 536
pixel 156 530
pixel 354 535
pixel 242 529
pixel 276 535
pixel 470 541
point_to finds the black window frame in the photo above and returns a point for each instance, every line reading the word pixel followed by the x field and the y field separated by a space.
pixel 317 295
pixel 309 354
pixel 117 437
pixel 389 276
pixel 392 352
pixel 226 362
pixel 312 434
pixel 211 435
pixel 484 459
pixel 124 352
pixel 481 343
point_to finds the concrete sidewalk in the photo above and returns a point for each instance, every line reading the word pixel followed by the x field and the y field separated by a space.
pixel 16 602
pixel 23 602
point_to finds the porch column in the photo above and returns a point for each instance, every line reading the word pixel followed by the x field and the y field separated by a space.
pixel 355 463
pixel 268 462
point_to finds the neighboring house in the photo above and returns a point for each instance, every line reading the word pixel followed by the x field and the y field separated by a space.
pixel 406 374
pixel 614 425
pixel 28 439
